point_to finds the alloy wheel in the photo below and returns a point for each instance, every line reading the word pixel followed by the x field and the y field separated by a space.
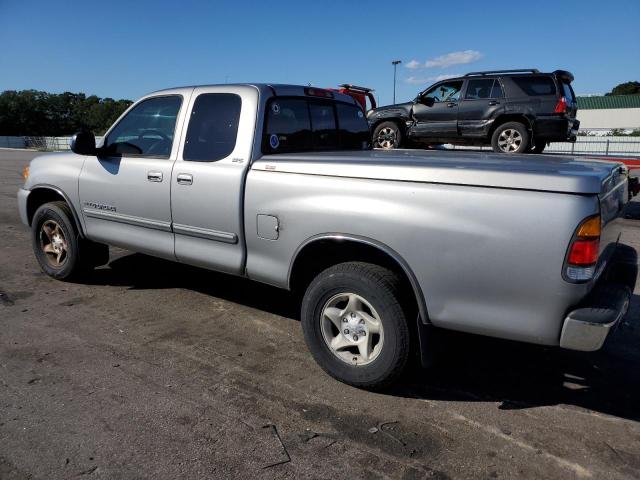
pixel 352 329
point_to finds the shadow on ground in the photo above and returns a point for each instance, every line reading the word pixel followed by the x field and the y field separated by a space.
pixel 468 367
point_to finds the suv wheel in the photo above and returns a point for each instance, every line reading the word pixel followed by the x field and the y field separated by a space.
pixel 510 137
pixel 387 135
pixel 354 324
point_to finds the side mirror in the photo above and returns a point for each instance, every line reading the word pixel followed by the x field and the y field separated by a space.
pixel 427 101
pixel 83 143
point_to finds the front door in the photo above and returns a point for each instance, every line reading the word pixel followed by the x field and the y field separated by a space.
pixel 208 178
pixel 439 119
pixel 125 190
pixel 483 100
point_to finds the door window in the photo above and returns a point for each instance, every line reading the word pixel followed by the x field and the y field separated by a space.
pixel 445 92
pixel 496 91
pixel 146 130
pixel 478 89
pixel 213 127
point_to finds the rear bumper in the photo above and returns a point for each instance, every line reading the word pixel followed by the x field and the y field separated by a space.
pixel 556 128
pixel 586 328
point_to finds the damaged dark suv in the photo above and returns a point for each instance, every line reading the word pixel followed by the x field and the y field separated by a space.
pixel 514 111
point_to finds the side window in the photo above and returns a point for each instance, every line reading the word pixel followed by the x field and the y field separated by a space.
pixel 496 91
pixel 147 130
pixel 324 133
pixel 478 89
pixel 445 92
pixel 213 127
pixel 536 85
pixel 288 127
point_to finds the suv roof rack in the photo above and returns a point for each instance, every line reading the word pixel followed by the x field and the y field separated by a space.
pixel 512 70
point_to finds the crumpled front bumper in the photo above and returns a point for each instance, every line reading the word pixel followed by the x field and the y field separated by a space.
pixel 586 328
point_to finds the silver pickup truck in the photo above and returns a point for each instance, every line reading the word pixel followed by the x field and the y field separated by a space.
pixel 279 184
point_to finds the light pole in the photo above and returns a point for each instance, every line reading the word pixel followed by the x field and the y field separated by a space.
pixel 395 64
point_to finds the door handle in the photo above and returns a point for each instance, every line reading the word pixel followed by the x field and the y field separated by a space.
pixel 185 179
pixel 493 102
pixel 154 176
pixel 452 104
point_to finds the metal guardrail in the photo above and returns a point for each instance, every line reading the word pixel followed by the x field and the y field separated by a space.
pixel 620 146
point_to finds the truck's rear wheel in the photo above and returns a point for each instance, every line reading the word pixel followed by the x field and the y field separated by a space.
pixel 61 253
pixel 354 324
pixel 510 137
pixel 387 135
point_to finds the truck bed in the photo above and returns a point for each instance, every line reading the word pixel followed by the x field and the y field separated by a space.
pixel 523 172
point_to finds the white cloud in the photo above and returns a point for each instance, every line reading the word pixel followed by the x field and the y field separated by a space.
pixel 413 64
pixel 454 58
pixel 422 80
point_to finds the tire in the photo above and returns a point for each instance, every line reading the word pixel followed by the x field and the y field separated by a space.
pixel 510 137
pixel 357 293
pixel 539 148
pixel 387 135
pixel 60 251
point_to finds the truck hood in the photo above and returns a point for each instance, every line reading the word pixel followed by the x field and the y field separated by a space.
pixel 524 172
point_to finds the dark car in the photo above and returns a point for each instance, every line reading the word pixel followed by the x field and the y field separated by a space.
pixel 515 111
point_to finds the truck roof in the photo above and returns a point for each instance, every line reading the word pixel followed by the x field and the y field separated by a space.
pixel 277 89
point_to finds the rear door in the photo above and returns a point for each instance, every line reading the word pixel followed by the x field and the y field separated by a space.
pixel 207 184
pixel 441 118
pixel 125 191
pixel 483 101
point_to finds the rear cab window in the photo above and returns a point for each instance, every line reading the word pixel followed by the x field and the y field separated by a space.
pixel 300 124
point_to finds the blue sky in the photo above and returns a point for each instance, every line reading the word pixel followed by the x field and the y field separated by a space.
pixel 124 49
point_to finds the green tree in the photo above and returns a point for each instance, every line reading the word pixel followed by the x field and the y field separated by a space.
pixel 627 88
pixel 35 113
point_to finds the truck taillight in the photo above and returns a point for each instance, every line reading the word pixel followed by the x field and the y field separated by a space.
pixel 561 106
pixel 583 251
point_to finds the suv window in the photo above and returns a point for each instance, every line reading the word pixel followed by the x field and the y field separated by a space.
pixel 496 90
pixel 147 129
pixel 213 127
pixel 536 85
pixel 568 92
pixel 445 92
pixel 477 89
pixel 301 124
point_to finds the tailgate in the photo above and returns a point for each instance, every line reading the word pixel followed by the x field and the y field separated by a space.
pixel 613 198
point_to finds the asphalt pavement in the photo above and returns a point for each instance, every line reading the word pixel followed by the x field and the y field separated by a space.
pixel 149 369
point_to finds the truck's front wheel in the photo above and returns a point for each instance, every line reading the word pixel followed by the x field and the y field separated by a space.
pixel 61 253
pixel 354 324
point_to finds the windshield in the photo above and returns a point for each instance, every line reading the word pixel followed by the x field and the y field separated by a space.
pixel 300 124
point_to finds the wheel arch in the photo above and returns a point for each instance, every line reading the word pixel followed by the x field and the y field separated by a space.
pixel 44 193
pixel 511 117
pixel 323 250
